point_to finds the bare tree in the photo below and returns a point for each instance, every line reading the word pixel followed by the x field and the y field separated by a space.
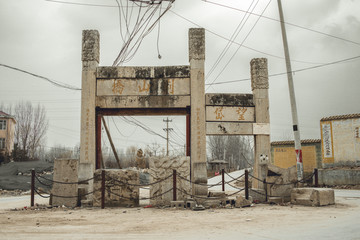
pixel 31 127
pixel 236 150
pixel 58 151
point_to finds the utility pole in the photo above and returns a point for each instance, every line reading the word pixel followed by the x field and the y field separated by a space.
pixel 299 164
pixel 167 129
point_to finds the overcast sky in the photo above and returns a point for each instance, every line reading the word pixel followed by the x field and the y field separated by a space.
pixel 44 37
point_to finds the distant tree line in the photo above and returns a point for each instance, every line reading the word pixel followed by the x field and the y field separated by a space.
pixel 30 130
pixel 237 151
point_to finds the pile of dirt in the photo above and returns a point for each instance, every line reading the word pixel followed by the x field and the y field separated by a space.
pixel 17 175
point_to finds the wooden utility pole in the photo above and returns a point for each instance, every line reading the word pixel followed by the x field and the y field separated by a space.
pixel 299 164
pixel 167 129
pixel 111 143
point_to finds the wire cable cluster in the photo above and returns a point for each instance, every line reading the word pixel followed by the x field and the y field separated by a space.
pixel 133 31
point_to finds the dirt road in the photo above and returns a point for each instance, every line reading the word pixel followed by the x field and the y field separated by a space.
pixel 261 221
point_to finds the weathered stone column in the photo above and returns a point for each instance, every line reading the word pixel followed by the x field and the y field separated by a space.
pixel 261 129
pixel 198 131
pixel 90 61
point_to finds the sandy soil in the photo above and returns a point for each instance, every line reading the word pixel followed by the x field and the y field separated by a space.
pixel 257 222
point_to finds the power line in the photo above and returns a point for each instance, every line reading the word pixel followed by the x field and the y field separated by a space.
pixel 244 46
pixel 294 71
pixel 232 38
pixel 82 4
pixel 55 83
pixel 227 64
pixel 291 24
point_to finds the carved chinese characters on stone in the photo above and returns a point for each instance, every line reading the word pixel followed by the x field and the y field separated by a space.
pixel 218 113
pixel 118 87
pixel 241 111
pixel 171 86
pixel 230 114
pixel 144 87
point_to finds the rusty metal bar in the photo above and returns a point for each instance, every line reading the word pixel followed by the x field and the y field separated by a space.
pixel 142 111
pixel 102 189
pixel 316 173
pixel 223 179
pixel 266 192
pixel 174 185
pixel 98 141
pixel 247 184
pixel 32 187
pixel 188 145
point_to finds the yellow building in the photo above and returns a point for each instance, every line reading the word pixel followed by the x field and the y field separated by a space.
pixel 283 154
pixel 7 131
pixel 340 140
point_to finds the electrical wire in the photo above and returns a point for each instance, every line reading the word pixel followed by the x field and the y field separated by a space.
pixel 294 71
pixel 55 83
pixel 232 57
pixel 290 24
pixel 243 46
pixel 232 38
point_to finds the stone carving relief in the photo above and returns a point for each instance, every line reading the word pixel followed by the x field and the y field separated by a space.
pixel 160 168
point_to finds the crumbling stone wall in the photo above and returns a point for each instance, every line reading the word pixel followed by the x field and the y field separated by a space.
pixel 118 191
pixel 162 167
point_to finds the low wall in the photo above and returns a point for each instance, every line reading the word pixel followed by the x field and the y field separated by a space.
pixel 118 192
pixel 331 177
pixel 162 167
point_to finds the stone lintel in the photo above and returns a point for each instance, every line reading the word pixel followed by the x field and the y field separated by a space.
pixel 143 72
pixel 227 99
pixel 143 101
pixel 229 128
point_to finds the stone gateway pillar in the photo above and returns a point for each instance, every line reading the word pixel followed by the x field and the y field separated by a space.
pixel 261 129
pixel 90 61
pixel 197 99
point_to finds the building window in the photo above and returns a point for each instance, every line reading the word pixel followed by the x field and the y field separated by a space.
pixel 2 124
pixel 357 132
pixel 2 143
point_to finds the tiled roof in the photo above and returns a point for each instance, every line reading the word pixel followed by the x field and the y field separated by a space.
pixel 5 115
pixel 340 117
pixel 305 141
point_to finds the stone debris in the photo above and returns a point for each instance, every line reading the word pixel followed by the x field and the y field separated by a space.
pixel 241 201
pixel 313 196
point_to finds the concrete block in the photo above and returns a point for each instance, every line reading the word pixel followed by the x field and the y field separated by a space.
pixel 312 196
pixel 241 201
pixel 65 171
pixel 217 194
pixel 177 204
pixel 276 200
pixel 212 203
pixel 190 204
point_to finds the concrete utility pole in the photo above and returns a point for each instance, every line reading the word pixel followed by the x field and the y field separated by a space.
pixel 167 129
pixel 299 164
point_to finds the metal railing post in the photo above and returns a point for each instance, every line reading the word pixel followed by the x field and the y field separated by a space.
pixel 316 173
pixel 174 185
pixel 223 179
pixel 247 184
pixel 32 187
pixel 266 190
pixel 102 189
